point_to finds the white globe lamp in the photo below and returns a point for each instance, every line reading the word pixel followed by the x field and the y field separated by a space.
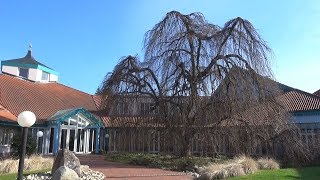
pixel 26 119
pixel 39 134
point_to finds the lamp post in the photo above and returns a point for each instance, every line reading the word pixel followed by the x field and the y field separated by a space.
pixel 106 141
pixel 25 120
pixel 39 143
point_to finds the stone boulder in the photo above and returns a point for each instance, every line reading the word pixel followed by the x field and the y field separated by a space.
pixel 66 158
pixel 65 173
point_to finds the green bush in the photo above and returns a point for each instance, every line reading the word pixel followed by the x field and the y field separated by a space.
pixel 160 161
pixel 186 164
pixel 16 145
pixel 141 160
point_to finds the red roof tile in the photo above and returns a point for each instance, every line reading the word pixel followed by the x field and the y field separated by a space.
pixel 317 93
pixel 44 99
pixel 297 100
pixel 6 115
pixel 127 121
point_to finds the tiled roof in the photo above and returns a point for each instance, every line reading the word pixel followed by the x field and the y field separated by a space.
pixel 6 115
pixel 317 93
pixel 44 99
pixel 130 121
pixel 297 100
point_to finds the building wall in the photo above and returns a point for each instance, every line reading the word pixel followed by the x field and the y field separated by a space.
pixel 53 77
pixel 133 107
pixel 10 70
pixel 6 136
pixel 306 117
pixel 158 140
pixel 33 74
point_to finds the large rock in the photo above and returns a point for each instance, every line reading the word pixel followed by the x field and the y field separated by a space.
pixel 68 159
pixel 65 173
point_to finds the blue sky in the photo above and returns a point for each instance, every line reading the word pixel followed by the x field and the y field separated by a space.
pixel 83 40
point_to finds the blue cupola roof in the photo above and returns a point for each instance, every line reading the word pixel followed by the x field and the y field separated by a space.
pixel 28 62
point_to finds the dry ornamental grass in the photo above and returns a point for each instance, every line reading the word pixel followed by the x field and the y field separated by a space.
pixel 268 163
pixel 34 162
pixel 238 166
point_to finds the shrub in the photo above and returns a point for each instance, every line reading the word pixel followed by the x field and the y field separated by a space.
pixel 160 161
pixel 16 145
pixel 268 163
pixel 186 164
pixel 141 160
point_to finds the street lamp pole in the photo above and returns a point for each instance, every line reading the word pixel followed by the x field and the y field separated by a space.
pixel 25 120
pixel 23 152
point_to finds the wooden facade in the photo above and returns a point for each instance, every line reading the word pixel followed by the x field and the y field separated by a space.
pixel 215 142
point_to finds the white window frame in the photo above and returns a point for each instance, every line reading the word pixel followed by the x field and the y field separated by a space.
pixel 47 76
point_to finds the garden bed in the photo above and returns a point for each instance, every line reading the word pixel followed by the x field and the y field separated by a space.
pixel 167 162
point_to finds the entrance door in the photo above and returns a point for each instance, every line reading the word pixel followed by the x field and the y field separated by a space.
pixel 77 140
pixel 72 139
pixel 68 139
pixel 80 141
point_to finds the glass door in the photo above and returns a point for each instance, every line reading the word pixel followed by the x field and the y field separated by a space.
pixel 80 141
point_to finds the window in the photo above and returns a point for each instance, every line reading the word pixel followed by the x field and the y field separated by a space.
pixel 77 121
pixel 45 76
pixel 6 136
pixel 148 108
pixel 23 72
pixel 122 108
pixel 154 140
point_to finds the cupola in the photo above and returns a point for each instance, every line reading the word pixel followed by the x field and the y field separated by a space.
pixel 29 68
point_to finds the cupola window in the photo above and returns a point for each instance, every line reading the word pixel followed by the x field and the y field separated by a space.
pixel 45 76
pixel 23 72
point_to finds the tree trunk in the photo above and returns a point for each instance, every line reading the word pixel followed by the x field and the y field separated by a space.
pixel 186 145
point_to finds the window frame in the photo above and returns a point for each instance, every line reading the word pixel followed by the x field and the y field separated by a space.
pixel 47 76
pixel 27 71
pixel 147 108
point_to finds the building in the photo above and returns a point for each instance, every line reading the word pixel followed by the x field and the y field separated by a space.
pixel 71 119
pixel 66 116
pixel 132 129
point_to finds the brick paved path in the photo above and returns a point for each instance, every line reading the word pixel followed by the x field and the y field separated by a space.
pixel 114 170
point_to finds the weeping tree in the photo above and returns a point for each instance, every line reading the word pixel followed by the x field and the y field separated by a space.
pixel 200 77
